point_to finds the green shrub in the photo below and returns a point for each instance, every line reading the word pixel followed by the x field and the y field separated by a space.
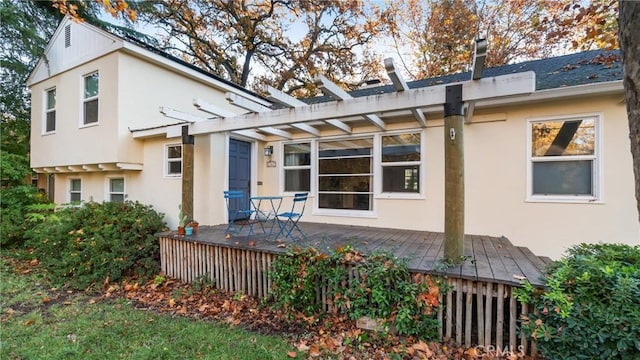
pixel 377 286
pixel 86 245
pixel 591 306
pixel 14 205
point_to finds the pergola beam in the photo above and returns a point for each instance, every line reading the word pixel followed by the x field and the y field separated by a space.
pixel 479 57
pixel 339 125
pixel 483 89
pixel 291 102
pixel 331 89
pixel 276 132
pixel 401 85
pixel 179 115
pixel 213 109
pixel 306 128
pixel 335 91
pixel 245 103
pixel 282 98
pixel 394 75
pixel 251 134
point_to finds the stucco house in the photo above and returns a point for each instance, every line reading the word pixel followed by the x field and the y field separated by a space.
pixel 548 167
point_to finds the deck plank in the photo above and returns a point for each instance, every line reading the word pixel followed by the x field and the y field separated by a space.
pixel 483 268
pixel 535 260
pixel 431 256
pixel 531 271
pixel 424 248
pixel 498 270
pixel 514 271
pixel 414 241
pixel 468 269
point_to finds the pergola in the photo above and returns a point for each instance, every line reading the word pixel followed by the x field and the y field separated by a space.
pixel 347 114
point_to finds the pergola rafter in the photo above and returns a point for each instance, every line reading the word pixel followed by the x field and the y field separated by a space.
pixel 251 134
pixel 291 102
pixel 331 89
pixel 179 115
pixel 247 104
pixel 277 132
pixel 401 85
pixel 213 109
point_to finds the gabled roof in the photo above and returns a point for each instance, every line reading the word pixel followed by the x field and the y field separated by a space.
pixel 102 42
pixel 582 68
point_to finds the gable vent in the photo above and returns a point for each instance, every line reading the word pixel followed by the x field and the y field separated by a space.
pixel 67 36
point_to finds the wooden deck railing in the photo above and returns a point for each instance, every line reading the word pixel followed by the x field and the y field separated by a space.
pixel 473 312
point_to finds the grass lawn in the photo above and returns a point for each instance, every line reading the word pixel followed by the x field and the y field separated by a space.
pixel 37 322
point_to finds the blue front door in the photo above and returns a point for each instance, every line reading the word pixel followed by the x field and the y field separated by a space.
pixel 240 172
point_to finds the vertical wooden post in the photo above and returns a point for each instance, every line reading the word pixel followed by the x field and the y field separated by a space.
pixel 453 173
pixel 187 172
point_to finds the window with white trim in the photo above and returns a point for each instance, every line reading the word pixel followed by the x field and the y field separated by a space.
pixel 50 111
pixel 564 159
pixel 75 190
pixel 173 165
pixel 90 103
pixel 297 167
pixel 345 174
pixel 401 163
pixel 116 190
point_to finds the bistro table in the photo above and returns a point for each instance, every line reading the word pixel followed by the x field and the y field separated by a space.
pixel 266 210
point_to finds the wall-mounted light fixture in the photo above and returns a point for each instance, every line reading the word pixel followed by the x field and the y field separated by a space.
pixel 268 151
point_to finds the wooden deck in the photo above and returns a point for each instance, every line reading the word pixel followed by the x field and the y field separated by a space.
pixel 487 259
pixel 479 306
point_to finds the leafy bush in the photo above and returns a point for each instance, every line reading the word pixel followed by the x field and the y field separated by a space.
pixel 376 285
pixel 591 307
pixel 14 205
pixel 83 246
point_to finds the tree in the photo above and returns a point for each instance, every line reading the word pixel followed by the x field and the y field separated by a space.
pixel 24 42
pixel 593 25
pixel 441 32
pixel 78 9
pixel 630 49
pixel 284 43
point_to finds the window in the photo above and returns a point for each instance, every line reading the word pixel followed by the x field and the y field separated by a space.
pixel 297 167
pixel 116 190
pixel 345 179
pixel 50 111
pixel 401 163
pixel 563 156
pixel 90 106
pixel 75 190
pixel 174 160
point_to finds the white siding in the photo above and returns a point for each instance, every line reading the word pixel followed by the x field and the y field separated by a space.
pixel 87 43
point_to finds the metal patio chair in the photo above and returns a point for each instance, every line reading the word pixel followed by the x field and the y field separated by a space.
pixel 288 221
pixel 236 211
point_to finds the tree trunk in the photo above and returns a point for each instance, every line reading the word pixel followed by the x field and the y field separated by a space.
pixel 630 48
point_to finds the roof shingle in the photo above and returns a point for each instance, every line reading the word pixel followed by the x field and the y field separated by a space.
pixel 586 67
